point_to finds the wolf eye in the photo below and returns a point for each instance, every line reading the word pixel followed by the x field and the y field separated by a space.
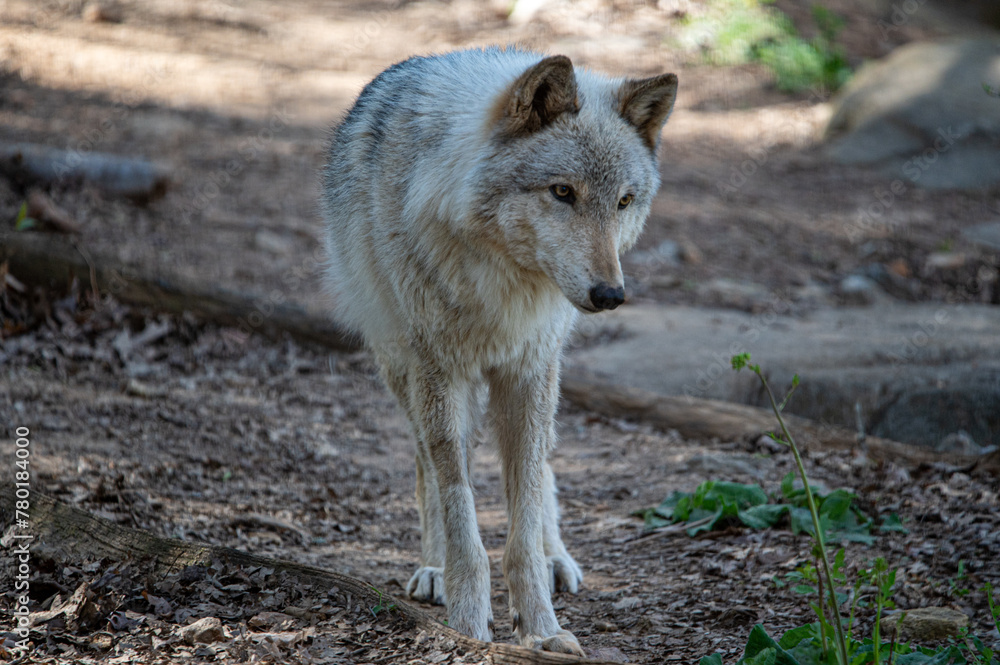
pixel 624 201
pixel 563 193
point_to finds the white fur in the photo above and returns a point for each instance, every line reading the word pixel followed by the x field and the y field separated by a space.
pixel 450 254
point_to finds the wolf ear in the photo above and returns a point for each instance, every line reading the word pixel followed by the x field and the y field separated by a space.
pixel 646 104
pixel 540 95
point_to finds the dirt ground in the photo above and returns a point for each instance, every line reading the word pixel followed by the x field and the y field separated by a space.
pixel 190 430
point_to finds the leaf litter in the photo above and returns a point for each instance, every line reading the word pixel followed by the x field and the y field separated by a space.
pixel 296 453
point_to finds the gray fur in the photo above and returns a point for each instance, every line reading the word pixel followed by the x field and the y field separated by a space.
pixel 453 255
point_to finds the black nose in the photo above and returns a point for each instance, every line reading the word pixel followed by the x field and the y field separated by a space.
pixel 605 296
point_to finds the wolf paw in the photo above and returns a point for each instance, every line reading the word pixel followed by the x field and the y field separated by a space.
pixel 562 642
pixel 564 573
pixel 475 624
pixel 427 585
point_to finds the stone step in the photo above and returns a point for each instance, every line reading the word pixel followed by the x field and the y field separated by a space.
pixel 926 374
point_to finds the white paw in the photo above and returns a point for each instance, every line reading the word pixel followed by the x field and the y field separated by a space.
pixel 562 642
pixel 472 620
pixel 564 574
pixel 427 585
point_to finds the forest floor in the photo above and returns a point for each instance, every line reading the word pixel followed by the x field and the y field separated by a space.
pixel 190 430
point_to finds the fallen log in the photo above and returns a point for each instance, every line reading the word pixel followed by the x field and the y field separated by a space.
pixel 41 258
pixel 68 535
pixel 697 418
pixel 28 164
pixel 38 258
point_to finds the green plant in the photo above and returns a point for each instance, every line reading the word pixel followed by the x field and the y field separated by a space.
pixel 810 644
pixel 994 608
pixel 381 606
pixel 740 362
pixel 740 31
pixel 23 222
pixel 715 504
pixel 727 32
pixel 955 583
pixel 883 580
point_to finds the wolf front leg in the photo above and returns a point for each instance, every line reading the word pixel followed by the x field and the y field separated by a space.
pixel 427 583
pixel 440 408
pixel 564 572
pixel 523 408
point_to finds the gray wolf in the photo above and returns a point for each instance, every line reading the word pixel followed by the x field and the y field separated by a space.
pixel 475 202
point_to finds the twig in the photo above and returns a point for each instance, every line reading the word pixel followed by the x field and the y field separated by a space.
pixel 671 529
pixel 45 210
pixel 256 519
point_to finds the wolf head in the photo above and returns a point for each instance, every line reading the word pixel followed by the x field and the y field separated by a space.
pixel 573 173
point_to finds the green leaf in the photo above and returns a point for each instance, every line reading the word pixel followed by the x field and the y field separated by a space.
pixel 943 657
pixel 23 222
pixel 836 505
pixel 651 519
pixel 810 652
pixel 739 494
pixel 788 485
pixel 764 657
pixel 761 648
pixel 740 360
pixel 851 536
pixel 701 514
pixel 892 523
pixel 792 638
pixel 714 659
pixel 668 508
pixel 801 520
pixel 762 517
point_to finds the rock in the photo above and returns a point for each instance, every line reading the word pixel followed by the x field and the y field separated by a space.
pixel 627 603
pixel 203 631
pixel 960 442
pixel 892 282
pixel 102 12
pixel 985 235
pixel 274 243
pixel 945 261
pixel 860 290
pixel 918 371
pixel 950 418
pixel 731 293
pixel 668 251
pixel 729 465
pixel 267 620
pixel 900 267
pixel 690 253
pixel 925 624
pixel 921 115
pixel 666 254
pixel 812 294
